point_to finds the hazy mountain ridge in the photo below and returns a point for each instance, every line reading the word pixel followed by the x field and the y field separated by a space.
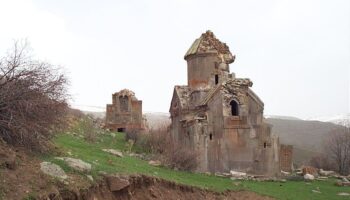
pixel 340 119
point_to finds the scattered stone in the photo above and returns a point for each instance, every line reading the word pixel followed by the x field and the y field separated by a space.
pixel 322 178
pixel 53 170
pixel 116 183
pixel 222 174
pixel 309 177
pixel 237 174
pixel 155 163
pixel 76 164
pixel 316 191
pixel 102 173
pixel 90 177
pixel 114 152
pixel 345 180
pixel 343 194
pixel 113 135
pixel 326 173
pixel 285 173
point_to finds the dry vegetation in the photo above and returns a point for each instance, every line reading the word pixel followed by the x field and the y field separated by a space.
pixel 159 143
pixel 336 153
pixel 32 99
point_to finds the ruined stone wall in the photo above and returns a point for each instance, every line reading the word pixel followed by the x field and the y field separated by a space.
pixel 215 131
pixel 286 155
pixel 124 113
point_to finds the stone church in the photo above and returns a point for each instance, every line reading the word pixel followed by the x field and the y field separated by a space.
pixel 125 112
pixel 219 116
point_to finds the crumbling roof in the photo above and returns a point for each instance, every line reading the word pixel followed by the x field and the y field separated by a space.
pixel 231 86
pixel 208 43
pixel 126 92
pixel 183 92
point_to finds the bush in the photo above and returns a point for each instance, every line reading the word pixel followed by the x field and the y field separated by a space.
pixel 322 162
pixel 159 143
pixel 32 100
pixel 88 129
pixel 181 157
pixel 132 134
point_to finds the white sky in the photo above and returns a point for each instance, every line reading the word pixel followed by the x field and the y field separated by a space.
pixel 297 52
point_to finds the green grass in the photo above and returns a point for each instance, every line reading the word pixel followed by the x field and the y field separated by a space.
pixel 102 161
pixel 298 189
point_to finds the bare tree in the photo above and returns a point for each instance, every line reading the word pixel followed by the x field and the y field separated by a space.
pixel 32 99
pixel 339 149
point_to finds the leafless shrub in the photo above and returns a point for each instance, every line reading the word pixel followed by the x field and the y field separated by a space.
pixel 32 99
pixel 132 134
pixel 88 129
pixel 156 141
pixel 181 157
pixel 338 147
pixel 172 154
pixel 322 162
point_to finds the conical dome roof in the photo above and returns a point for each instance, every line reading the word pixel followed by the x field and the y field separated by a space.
pixel 208 44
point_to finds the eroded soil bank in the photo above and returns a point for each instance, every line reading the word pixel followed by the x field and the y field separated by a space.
pixel 139 187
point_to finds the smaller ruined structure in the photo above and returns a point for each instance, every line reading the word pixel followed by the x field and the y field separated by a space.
pixel 125 112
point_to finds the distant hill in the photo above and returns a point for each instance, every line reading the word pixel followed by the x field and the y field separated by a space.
pixel 303 134
pixel 282 117
pixel 340 119
pixel 307 137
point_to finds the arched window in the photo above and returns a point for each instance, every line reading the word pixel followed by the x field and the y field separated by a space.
pixel 124 103
pixel 234 108
pixel 210 136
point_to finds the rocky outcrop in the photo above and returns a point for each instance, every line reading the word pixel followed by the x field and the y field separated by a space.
pixel 309 177
pixel 76 164
pixel 53 170
pixel 117 183
pixel 114 152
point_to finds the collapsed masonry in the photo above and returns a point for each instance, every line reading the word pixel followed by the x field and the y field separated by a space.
pixel 219 116
pixel 125 112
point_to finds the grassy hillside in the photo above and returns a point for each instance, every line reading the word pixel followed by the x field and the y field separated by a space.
pixel 76 146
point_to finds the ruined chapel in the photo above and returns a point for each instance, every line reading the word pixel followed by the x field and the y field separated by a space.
pixel 218 115
pixel 125 112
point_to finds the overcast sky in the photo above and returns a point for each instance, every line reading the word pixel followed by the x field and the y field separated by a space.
pixel 297 52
